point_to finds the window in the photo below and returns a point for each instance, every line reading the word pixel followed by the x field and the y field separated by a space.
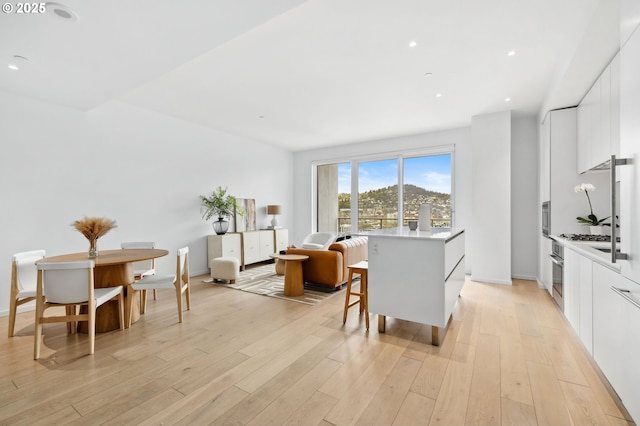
pixel 428 180
pixel 377 194
pixel 375 183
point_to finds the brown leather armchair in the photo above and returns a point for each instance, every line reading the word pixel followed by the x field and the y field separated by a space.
pixel 329 267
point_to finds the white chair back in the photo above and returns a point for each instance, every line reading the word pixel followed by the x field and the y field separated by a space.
pixel 183 264
pixel 67 282
pixel 318 240
pixel 26 271
pixel 143 265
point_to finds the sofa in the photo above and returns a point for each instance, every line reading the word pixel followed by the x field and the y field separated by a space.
pixel 328 267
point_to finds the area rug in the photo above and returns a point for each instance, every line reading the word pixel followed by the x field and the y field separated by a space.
pixel 263 280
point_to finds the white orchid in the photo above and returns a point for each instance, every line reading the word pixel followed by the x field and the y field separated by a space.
pixel 591 220
pixel 584 187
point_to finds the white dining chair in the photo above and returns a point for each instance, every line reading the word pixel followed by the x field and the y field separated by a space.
pixel 144 267
pixel 178 282
pixel 70 285
pixel 24 277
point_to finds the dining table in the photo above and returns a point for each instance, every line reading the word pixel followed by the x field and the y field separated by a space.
pixel 112 268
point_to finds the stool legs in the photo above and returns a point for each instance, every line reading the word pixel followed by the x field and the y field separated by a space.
pixel 363 297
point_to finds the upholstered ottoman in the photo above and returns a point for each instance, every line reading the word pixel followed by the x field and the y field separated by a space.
pixel 225 268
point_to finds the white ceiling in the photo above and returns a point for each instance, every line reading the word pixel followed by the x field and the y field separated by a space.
pixel 307 74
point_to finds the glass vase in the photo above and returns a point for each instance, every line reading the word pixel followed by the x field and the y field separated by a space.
pixel 220 226
pixel 93 248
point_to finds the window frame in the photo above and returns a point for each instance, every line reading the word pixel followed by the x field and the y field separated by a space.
pixel 399 156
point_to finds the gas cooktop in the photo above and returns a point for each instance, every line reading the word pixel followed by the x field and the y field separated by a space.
pixel 586 237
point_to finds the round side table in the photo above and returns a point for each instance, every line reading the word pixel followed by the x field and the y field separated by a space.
pixel 293 281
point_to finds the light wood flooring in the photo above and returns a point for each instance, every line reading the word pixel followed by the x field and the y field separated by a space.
pixel 239 358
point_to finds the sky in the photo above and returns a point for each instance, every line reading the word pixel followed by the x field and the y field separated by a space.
pixel 432 173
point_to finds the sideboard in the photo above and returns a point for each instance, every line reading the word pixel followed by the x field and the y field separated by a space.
pixel 249 246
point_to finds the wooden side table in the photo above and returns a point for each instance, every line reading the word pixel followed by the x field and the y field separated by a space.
pixel 293 282
pixel 279 263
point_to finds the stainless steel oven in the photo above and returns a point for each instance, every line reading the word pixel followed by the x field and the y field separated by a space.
pixel 546 218
pixel 557 258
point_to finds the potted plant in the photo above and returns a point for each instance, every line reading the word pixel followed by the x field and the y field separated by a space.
pixel 592 220
pixel 221 205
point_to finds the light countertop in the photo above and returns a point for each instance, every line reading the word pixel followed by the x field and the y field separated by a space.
pixel 590 250
pixel 434 234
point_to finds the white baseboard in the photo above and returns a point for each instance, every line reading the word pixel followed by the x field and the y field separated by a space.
pixel 490 280
pixel 524 277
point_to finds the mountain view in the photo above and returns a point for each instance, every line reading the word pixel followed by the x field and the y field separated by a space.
pixel 379 208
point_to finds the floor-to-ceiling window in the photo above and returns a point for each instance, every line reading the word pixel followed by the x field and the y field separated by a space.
pixel 377 194
pixel 362 194
pixel 427 179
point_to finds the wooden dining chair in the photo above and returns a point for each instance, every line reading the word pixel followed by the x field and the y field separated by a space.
pixel 144 267
pixel 24 277
pixel 69 285
pixel 179 282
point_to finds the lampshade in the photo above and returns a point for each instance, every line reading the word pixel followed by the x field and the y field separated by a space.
pixel 274 209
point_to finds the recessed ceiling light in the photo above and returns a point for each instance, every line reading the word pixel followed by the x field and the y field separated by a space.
pixel 61 11
pixel 413 43
pixel 511 53
pixel 507 99
pixel 438 95
pixel 428 74
pixel 16 61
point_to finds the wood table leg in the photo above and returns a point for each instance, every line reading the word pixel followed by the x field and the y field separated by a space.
pixel 107 315
pixel 293 283
pixel 382 323
pixel 435 336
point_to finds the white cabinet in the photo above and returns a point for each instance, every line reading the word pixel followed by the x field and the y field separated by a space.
pixel 578 295
pixel 608 335
pixel 545 159
pixel 571 288
pixel 598 119
pixel 566 205
pixel 615 106
pixel 629 175
pixel 588 126
pixel 251 247
pixel 281 239
pixel 631 367
pixel 248 247
pixel 586 303
pixel 267 244
pixel 227 245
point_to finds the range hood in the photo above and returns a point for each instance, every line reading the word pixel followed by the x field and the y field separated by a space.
pixel 602 166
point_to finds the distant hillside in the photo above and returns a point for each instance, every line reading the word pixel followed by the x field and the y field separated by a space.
pixel 385 200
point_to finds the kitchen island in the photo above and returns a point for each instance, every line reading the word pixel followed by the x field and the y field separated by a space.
pixel 415 275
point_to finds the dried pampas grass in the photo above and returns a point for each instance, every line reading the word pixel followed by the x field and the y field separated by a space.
pixel 94 227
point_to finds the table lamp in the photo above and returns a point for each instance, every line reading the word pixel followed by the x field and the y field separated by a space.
pixel 274 210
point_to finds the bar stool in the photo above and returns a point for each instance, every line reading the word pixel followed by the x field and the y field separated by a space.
pixel 363 298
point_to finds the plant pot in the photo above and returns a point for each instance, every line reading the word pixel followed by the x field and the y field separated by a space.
pixel 220 226
pixel 596 230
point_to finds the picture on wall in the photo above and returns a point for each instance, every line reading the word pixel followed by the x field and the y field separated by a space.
pixel 245 215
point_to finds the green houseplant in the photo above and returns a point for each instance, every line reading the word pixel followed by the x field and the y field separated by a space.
pixel 219 204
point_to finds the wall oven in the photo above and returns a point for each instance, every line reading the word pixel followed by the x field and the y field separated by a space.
pixel 546 218
pixel 557 258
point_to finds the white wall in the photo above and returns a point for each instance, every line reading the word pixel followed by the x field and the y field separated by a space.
pixel 490 243
pixel 143 169
pixel 462 179
pixel 524 200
